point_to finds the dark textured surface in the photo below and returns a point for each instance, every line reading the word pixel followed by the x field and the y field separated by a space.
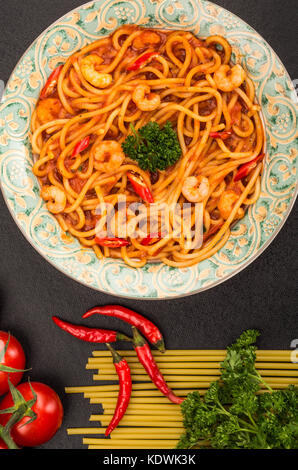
pixel 263 296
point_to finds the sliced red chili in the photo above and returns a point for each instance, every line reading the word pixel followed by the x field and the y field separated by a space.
pixel 152 236
pixel 111 242
pixel 212 231
pixel 142 61
pixel 51 83
pixel 90 335
pixel 140 187
pixel 81 146
pixel 147 328
pixel 220 135
pixel 125 387
pixel 146 359
pixel 246 168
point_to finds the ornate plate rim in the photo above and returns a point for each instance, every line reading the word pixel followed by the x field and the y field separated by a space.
pixel 230 275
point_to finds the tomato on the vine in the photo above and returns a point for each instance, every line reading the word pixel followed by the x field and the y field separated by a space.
pixel 14 357
pixel 3 445
pixel 49 415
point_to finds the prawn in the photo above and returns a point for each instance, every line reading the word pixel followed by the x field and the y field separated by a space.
pixel 93 76
pixel 56 198
pixel 228 79
pixel 108 156
pixel 48 109
pixel 146 39
pixel 195 188
pixel 226 203
pixel 144 99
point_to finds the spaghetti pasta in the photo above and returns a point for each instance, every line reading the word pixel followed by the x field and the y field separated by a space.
pixel 123 82
pixel 151 420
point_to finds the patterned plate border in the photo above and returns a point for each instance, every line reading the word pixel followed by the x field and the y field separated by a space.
pixel 20 188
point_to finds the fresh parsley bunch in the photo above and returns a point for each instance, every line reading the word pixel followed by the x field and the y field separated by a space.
pixel 232 415
pixel 153 147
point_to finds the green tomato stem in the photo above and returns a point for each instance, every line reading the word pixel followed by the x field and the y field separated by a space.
pixel 6 431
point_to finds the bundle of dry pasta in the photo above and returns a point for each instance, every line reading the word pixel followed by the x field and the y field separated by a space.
pixel 151 421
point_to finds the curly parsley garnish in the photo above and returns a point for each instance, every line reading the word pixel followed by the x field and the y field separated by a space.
pixel 232 415
pixel 153 147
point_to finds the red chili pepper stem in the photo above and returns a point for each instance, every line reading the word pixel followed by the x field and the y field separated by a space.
pixel 160 345
pixel 138 340
pixel 116 356
pixel 123 337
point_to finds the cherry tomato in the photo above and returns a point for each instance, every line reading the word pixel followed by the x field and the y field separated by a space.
pixel 48 409
pixel 14 357
pixel 3 445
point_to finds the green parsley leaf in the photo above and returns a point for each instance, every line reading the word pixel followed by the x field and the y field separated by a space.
pixel 232 415
pixel 153 147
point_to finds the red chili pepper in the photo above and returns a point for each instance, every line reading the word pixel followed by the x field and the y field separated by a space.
pixel 125 387
pixel 220 135
pixel 51 83
pixel 146 359
pixel 147 328
pixel 140 187
pixel 90 335
pixel 245 169
pixel 81 146
pixel 152 236
pixel 141 61
pixel 112 242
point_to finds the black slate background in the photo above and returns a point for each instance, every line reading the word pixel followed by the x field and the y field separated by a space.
pixel 263 296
